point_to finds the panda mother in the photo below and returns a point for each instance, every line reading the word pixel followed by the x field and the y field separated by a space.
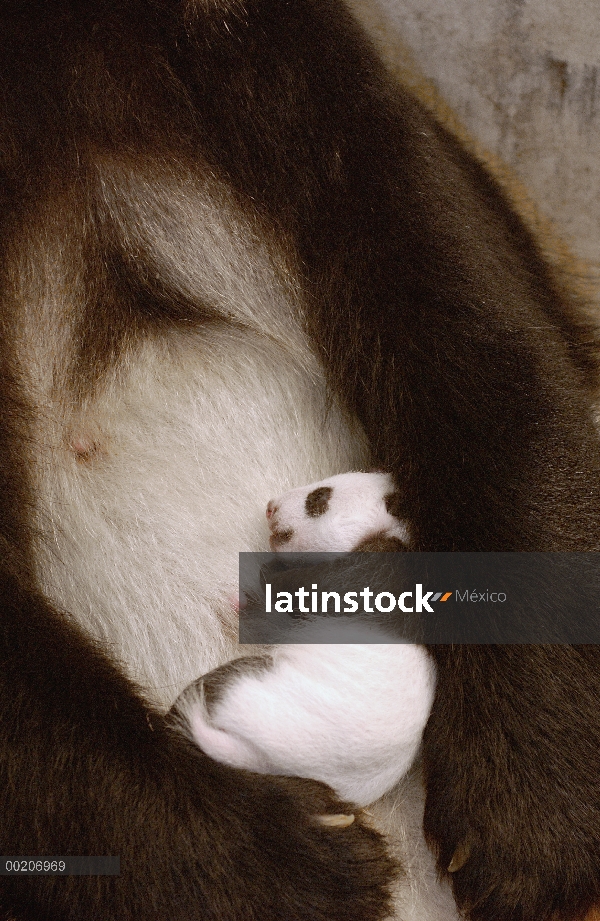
pixel 236 258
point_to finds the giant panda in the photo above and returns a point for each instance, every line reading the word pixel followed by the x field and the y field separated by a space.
pixel 237 258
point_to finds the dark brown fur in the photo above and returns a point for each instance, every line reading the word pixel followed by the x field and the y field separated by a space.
pixel 317 501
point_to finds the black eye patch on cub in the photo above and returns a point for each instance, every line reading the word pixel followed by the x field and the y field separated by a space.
pixel 317 501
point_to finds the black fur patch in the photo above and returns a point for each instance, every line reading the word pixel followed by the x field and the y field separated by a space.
pixel 282 537
pixel 393 504
pixel 217 681
pixel 317 501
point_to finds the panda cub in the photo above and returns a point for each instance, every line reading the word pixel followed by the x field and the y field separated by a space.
pixel 351 715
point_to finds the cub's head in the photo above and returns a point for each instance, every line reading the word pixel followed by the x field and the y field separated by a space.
pixel 337 514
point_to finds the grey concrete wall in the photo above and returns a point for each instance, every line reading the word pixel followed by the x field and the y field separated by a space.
pixel 524 78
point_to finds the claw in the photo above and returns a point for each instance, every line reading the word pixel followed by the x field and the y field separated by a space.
pixel 459 857
pixel 335 821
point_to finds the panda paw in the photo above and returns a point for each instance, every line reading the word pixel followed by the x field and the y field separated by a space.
pixel 342 513
pixel 351 716
pixel 511 758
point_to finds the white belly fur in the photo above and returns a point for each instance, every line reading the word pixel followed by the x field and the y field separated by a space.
pixel 187 452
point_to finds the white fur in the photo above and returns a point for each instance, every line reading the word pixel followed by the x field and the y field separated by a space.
pixel 141 541
pixel 419 894
pixel 193 432
pixel 355 512
pixel 351 716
